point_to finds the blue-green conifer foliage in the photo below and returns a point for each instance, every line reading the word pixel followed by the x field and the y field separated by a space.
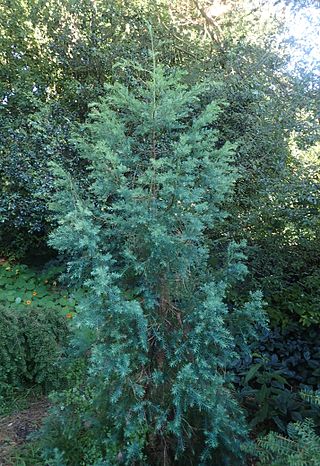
pixel 154 324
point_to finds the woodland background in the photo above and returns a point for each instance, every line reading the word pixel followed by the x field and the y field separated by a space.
pixel 62 61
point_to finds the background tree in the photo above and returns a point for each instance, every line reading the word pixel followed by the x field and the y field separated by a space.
pixel 56 57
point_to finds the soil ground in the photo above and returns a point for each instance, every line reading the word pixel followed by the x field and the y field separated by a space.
pixel 15 428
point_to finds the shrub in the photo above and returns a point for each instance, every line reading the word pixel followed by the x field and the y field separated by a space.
pixel 284 362
pixel 27 144
pixel 300 448
pixel 31 346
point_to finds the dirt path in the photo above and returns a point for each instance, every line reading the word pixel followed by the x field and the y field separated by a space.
pixel 14 429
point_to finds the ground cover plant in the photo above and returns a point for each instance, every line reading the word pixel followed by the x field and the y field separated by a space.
pixel 22 286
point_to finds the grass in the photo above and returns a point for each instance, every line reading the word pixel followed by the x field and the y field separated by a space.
pixel 27 454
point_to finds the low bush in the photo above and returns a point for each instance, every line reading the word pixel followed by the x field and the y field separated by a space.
pixel 35 313
pixel 32 342
pixel 283 363
pixel 301 446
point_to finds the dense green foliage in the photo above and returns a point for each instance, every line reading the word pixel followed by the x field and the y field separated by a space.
pixel 31 345
pixel 283 362
pixel 159 331
pixel 22 286
pixel 301 447
pixel 55 58
pixel 33 327
pixel 170 193
pixel 28 142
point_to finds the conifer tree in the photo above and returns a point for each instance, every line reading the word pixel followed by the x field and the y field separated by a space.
pixel 154 325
